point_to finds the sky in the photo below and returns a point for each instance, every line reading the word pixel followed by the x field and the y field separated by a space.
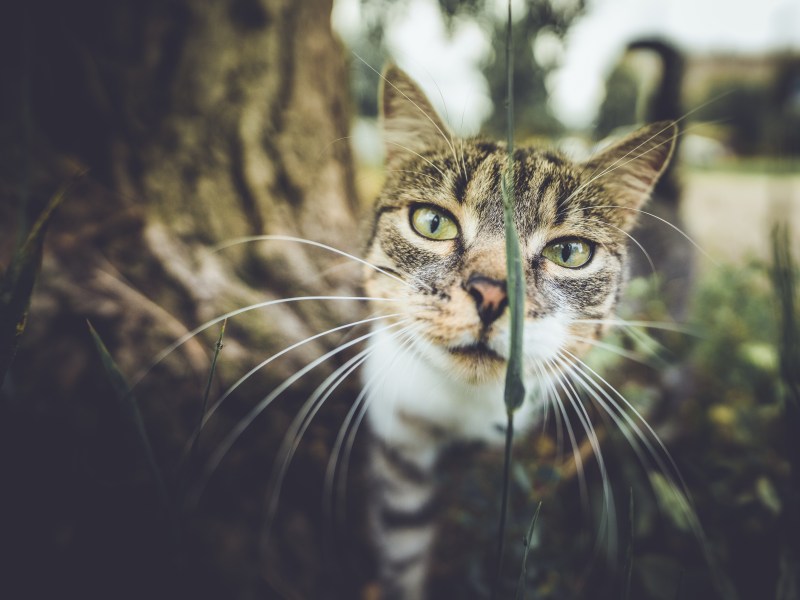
pixel 449 68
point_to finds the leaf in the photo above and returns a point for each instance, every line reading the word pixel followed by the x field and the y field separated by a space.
pixel 17 284
pixel 217 349
pixel 130 409
pixel 520 595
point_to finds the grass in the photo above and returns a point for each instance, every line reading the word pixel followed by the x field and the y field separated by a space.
pixel 133 416
pixel 16 285
pixel 514 393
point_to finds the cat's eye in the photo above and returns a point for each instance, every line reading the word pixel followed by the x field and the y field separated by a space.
pixel 570 253
pixel 433 224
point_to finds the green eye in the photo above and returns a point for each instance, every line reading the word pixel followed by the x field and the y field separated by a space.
pixel 571 253
pixel 433 224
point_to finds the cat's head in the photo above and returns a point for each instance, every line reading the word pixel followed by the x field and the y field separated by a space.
pixel 438 227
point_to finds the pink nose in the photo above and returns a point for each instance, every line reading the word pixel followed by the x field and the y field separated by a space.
pixel 489 295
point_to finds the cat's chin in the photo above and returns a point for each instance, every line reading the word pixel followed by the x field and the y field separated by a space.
pixel 478 363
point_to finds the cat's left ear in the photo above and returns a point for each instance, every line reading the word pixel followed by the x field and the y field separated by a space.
pixel 410 124
pixel 629 169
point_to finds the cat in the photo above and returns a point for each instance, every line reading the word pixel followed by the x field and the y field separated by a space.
pixel 434 376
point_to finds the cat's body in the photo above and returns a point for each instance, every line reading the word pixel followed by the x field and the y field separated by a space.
pixel 435 375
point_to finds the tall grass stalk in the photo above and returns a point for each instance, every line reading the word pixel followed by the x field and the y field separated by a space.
pixel 16 284
pixel 514 386
pixel 628 575
pixel 784 274
pixel 523 576
pixel 204 407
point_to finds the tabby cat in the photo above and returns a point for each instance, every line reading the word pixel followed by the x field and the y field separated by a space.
pixel 435 375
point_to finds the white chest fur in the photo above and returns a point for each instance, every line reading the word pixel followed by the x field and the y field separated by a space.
pixel 416 404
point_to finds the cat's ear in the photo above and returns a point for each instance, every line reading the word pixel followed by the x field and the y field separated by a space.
pixel 410 124
pixel 628 170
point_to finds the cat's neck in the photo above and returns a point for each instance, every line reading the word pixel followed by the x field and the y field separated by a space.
pixel 417 404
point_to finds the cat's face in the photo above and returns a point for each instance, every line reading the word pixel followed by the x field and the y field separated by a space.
pixel 438 226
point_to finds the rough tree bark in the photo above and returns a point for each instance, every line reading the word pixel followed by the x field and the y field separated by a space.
pixel 193 123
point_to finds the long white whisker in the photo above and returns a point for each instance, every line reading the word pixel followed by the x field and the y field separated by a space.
pixel 296 431
pixel 451 142
pixel 346 438
pixel 663 325
pixel 200 328
pixel 557 404
pixel 210 412
pixel 670 470
pixel 680 231
pixel 290 238
pixel 551 398
pixel 418 155
pixel 609 519
pixel 245 422
pixel 417 106
pixel 634 356
pixel 633 239
pixel 619 162
pixel 414 173
pixel 277 355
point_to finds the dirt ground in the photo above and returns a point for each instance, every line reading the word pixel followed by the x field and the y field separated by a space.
pixel 730 215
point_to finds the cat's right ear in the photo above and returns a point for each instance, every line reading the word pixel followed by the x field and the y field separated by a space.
pixel 629 169
pixel 410 124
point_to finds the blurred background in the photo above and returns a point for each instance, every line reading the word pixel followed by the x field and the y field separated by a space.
pixel 729 73
pixel 137 136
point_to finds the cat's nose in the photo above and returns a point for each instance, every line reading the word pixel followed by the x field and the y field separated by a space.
pixel 490 297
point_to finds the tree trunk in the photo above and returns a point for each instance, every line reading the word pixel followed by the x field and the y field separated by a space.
pixel 192 123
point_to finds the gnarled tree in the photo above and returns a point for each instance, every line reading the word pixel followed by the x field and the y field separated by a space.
pixel 190 124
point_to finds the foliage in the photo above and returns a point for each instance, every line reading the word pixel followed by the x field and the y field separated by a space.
pixel 533 116
pixel 546 18
pixel 714 395
pixel 16 284
pixel 757 120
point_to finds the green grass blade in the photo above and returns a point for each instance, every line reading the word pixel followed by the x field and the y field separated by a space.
pixel 130 409
pixel 17 284
pixel 514 391
pixel 523 576
pixel 217 350
pixel 501 526
pixel 784 275
pixel 514 387
pixel 628 574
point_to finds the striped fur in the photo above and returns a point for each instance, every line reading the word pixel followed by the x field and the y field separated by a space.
pixel 443 383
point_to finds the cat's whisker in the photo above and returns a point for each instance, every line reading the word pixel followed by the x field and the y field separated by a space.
pixel 433 122
pixel 332 143
pixel 622 161
pixel 213 408
pixel 672 226
pixel 229 315
pixel 418 155
pixel 291 238
pixel 630 355
pixel 598 388
pixel 347 433
pixel 608 523
pixel 551 399
pixel 621 415
pixel 245 422
pixel 633 239
pixel 634 324
pixel 297 429
pixel 559 408
pixel 450 134
pixel 431 178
